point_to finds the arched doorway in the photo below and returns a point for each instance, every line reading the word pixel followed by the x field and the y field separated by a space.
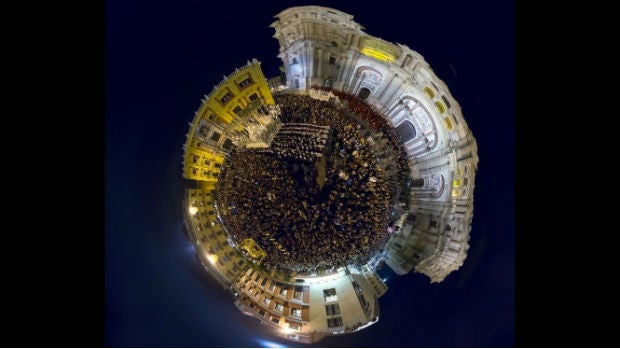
pixel 406 131
pixel 363 93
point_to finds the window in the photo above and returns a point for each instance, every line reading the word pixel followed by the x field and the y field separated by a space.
pixel 334 322
pixel 334 44
pixel 227 145
pixel 275 319
pixel 253 97
pixel 296 83
pixel 294 326
pixel 429 92
pixel 298 292
pixel 330 295
pixel 266 301
pixel 332 309
pixel 204 130
pixel 240 263
pixel 264 282
pixel 406 61
pixel 215 136
pixel 294 60
pixel 218 165
pixel 448 123
pixel 245 83
pixel 237 110
pixel 283 291
pixel 195 159
pixel 332 60
pixel 445 100
pixel 279 307
pixel 272 286
pixel 261 312
pixel 194 170
pixel 440 107
pixel 433 224
pixel 296 312
pixel 207 162
pixel 227 97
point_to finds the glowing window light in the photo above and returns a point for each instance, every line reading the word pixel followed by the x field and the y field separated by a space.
pixel 212 258
pixel 429 92
pixel 378 54
pixel 448 123
pixel 193 210
pixel 287 330
pixel 440 107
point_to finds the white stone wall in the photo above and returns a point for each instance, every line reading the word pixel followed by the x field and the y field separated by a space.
pixel 321 46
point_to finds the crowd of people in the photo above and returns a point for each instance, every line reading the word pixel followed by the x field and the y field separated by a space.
pixel 276 200
pixel 386 133
pixel 300 141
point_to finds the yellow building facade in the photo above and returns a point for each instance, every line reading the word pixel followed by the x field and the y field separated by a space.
pixel 222 114
pixel 209 238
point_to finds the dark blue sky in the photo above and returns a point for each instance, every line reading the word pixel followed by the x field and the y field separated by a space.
pixel 161 57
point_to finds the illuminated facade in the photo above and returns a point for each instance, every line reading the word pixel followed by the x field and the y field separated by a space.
pixel 324 48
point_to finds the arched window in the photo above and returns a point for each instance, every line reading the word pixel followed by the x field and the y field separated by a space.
pixel 406 61
pixel 406 131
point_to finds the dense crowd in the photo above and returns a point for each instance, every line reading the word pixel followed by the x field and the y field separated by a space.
pixel 377 123
pixel 300 141
pixel 277 201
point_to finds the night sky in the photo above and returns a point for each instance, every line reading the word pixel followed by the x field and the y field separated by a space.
pixel 161 57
